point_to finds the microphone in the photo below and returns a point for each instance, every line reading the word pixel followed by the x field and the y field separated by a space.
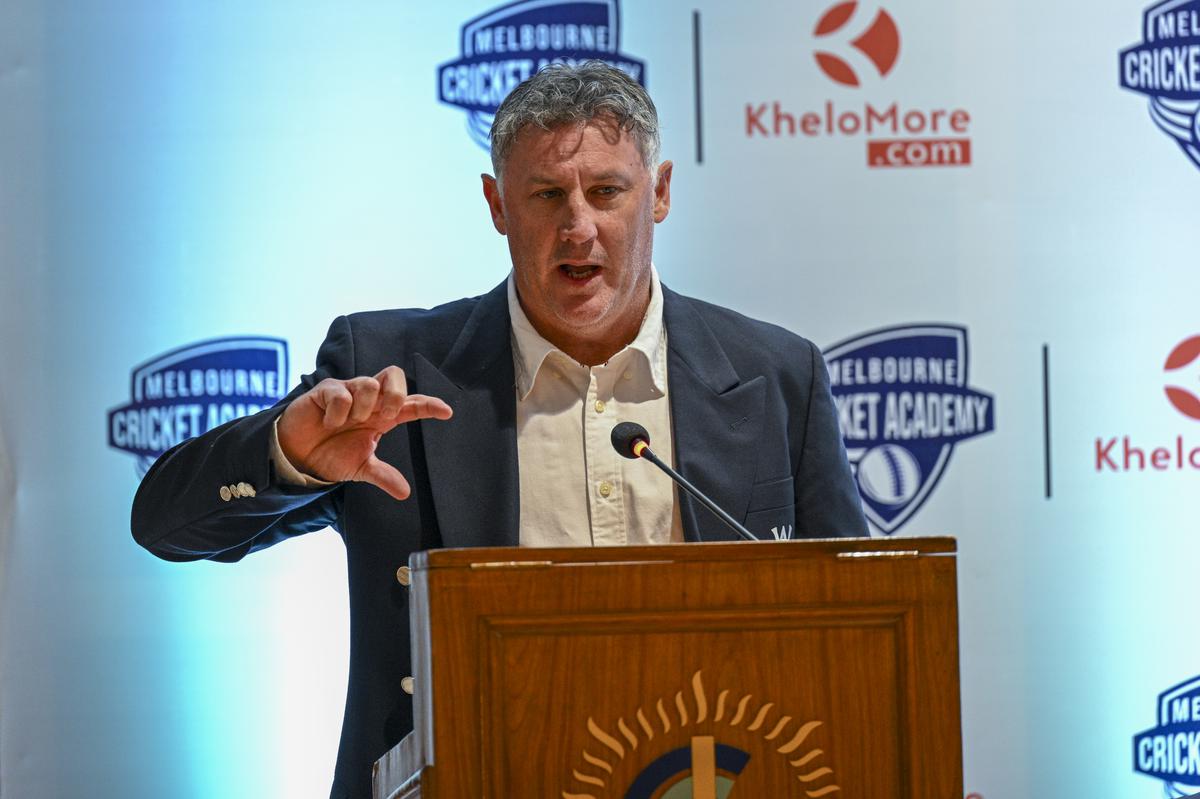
pixel 632 441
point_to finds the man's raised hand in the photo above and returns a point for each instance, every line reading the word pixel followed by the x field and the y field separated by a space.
pixel 331 431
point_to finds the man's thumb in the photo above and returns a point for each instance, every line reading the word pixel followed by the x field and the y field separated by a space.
pixel 384 476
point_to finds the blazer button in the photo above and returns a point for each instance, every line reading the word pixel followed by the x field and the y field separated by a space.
pixel 407 685
pixel 403 576
pixel 246 489
pixel 226 494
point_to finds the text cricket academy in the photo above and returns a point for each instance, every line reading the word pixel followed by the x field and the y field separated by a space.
pixel 504 46
pixel 190 390
pixel 896 135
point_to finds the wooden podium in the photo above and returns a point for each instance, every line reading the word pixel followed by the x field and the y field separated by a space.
pixel 695 671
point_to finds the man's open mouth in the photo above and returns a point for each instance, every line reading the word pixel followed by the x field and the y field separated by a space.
pixel 578 272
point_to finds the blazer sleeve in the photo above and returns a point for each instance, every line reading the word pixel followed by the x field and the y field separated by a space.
pixel 179 513
pixel 827 500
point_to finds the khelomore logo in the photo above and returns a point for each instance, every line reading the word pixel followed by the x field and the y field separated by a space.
pixel 188 391
pixel 856 46
pixel 879 43
pixel 1128 453
pixel 504 46
pixel 1182 367
pixel 1166 68
pixel 904 404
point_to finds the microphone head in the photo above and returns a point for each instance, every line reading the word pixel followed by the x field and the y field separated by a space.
pixel 627 436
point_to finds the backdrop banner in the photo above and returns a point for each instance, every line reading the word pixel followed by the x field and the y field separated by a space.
pixel 984 215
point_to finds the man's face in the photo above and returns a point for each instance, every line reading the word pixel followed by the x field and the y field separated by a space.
pixel 578 206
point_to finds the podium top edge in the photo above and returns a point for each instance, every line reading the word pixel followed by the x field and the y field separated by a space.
pixel 851 548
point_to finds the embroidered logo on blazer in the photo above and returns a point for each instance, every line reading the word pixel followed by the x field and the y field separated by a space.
pixel 782 532
pixel 903 406
pixel 188 391
pixel 504 46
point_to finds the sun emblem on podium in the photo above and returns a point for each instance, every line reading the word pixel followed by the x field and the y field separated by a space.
pixel 706 768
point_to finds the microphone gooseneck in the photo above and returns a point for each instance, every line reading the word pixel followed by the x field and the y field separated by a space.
pixel 632 441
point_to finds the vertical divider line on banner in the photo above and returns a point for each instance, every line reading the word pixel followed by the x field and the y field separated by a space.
pixel 699 92
pixel 8 501
pixel 1046 413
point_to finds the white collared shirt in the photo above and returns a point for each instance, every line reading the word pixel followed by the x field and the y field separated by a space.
pixel 575 489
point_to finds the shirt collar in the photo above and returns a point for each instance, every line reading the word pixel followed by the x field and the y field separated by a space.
pixel 531 350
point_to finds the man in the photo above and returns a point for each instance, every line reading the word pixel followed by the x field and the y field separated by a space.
pixel 485 422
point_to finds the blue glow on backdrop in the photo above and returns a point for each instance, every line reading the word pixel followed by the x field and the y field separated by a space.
pixel 174 172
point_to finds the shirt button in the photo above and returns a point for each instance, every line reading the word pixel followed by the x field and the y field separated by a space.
pixel 600 406
pixel 627 376
pixel 605 489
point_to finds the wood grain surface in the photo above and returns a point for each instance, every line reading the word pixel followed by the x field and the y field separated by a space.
pixel 806 669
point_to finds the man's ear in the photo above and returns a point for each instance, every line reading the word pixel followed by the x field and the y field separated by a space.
pixel 662 192
pixel 491 192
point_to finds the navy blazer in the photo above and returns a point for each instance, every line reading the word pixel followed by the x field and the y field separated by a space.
pixel 754 427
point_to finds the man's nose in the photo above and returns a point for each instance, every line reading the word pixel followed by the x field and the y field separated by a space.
pixel 580 224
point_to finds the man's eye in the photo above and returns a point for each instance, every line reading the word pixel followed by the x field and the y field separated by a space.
pixel 547 194
pixel 607 191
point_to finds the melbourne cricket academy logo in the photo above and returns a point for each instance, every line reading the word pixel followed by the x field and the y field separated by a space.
pixel 506 45
pixel 904 404
pixel 1166 68
pixel 188 391
pixel 856 45
pixel 1131 454
pixel 1171 751
pixel 698 744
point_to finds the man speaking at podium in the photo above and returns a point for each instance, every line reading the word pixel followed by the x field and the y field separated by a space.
pixel 485 422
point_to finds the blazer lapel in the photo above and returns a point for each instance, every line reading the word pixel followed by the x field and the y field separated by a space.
pixel 472 458
pixel 716 421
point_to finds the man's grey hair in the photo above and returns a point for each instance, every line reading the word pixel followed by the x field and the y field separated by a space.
pixel 561 94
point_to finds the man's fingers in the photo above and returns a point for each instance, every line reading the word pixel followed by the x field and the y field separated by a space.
pixel 384 396
pixel 335 399
pixel 384 476
pixel 366 395
pixel 393 389
pixel 420 406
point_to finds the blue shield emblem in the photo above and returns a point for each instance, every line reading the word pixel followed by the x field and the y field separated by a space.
pixel 1171 751
pixel 1164 68
pixel 504 46
pixel 188 391
pixel 903 405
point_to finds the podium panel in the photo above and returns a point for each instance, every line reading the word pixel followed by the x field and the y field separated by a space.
pixel 803 669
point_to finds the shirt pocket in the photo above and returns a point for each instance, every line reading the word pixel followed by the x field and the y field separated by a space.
pixel 772 509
